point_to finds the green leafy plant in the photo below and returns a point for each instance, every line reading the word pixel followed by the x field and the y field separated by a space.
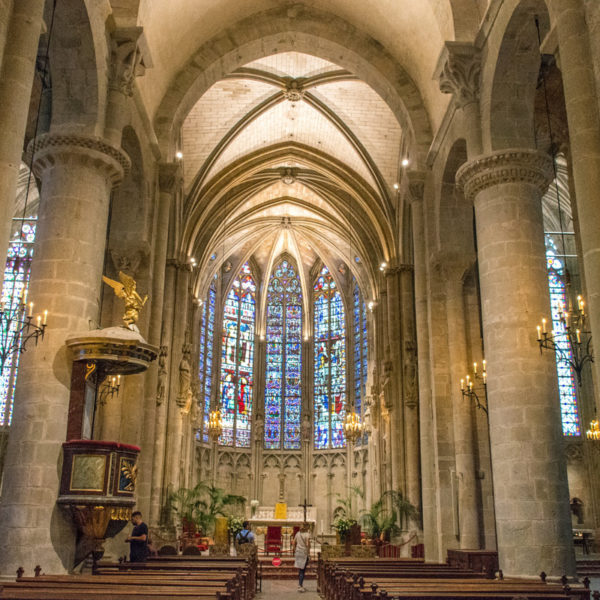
pixel 344 514
pixel 203 503
pixel 388 516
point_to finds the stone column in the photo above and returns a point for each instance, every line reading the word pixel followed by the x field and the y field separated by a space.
pixel 16 81
pixel 77 175
pixel 581 99
pixel 416 188
pixel 180 378
pixel 157 378
pixel 393 325
pixel 530 480
pixel 410 387
pixel 462 409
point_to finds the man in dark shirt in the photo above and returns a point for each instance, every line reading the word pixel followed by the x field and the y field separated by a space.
pixel 138 538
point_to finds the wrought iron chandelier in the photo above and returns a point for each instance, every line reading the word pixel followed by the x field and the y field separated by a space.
pixel 467 387
pixel 571 340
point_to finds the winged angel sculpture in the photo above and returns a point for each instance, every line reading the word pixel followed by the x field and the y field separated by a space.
pixel 134 303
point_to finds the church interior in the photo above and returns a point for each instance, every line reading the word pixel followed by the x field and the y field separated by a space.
pixel 325 256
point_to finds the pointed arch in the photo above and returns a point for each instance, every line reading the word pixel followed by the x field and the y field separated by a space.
pixel 283 393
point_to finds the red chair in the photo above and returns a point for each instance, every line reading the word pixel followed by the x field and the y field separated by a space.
pixel 273 540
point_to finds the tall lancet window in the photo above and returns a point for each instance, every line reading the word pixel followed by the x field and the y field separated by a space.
pixel 283 401
pixel 16 283
pixel 330 363
pixel 360 349
pixel 237 358
pixel 207 338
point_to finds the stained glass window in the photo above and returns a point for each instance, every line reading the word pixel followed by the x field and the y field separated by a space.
pixel 205 365
pixel 237 358
pixel 329 363
pixel 283 403
pixel 360 349
pixel 566 380
pixel 16 283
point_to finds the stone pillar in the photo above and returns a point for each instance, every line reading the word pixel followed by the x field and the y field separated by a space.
pixel 530 480
pixel 416 189
pixel 462 409
pixel 77 175
pixel 581 100
pixel 16 81
pixel 393 325
pixel 180 378
pixel 157 378
pixel 410 387
pixel 458 73
pixel 158 462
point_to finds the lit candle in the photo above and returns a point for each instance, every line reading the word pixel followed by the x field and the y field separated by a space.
pixel 577 333
pixel 484 378
pixel 462 384
pixel 30 313
pixel 543 325
pixel 470 385
pixel 484 365
pixel 45 317
pixel 475 368
pixel 39 320
pixel 539 333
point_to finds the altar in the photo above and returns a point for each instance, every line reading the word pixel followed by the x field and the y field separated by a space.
pixel 265 517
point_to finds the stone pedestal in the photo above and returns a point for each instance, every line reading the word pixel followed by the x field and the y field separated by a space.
pixel 529 471
pixel 77 175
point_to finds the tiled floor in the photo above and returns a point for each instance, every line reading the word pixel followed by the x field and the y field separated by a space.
pixel 274 589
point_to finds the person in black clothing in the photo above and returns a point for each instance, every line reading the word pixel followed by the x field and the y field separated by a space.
pixel 138 550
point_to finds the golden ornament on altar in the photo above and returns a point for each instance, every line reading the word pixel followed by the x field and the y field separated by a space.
pixel 134 303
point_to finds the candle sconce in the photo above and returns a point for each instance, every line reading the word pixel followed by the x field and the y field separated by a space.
pixel 569 339
pixel 467 387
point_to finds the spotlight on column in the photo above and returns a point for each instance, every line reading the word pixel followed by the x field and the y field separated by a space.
pixel 396 186
pixel 179 155
pixel 383 266
pixel 405 162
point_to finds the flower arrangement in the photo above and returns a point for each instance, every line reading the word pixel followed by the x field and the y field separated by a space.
pixel 235 524
pixel 253 506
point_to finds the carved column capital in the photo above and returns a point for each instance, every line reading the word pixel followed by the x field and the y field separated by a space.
pixel 127 60
pixel 416 185
pixel 51 149
pixel 515 165
pixel 458 72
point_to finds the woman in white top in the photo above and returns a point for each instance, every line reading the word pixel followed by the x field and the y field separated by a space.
pixel 301 546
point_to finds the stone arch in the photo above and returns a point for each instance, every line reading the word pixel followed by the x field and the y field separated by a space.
pixel 317 33
pixel 510 122
pixel 79 65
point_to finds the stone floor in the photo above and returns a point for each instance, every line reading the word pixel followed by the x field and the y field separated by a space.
pixel 274 589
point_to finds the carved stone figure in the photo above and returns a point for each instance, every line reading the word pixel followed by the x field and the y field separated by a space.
pixel 185 378
pixel 306 428
pixel 161 386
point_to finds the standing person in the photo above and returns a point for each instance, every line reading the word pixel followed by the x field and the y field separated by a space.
pixel 301 553
pixel 245 536
pixel 138 540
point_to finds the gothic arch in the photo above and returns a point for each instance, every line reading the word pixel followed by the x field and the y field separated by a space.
pixel 510 78
pixel 303 31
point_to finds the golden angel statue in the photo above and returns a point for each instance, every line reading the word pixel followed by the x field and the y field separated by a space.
pixel 125 289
